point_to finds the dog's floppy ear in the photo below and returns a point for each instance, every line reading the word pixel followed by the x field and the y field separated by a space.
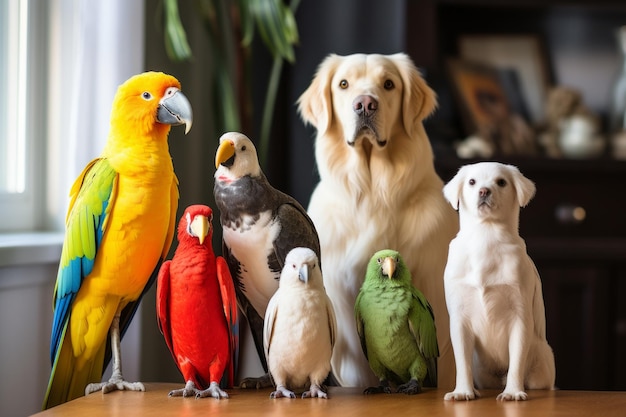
pixel 315 104
pixel 524 187
pixel 453 189
pixel 418 100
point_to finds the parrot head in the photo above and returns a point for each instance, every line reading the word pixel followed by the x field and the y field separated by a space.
pixel 151 100
pixel 387 266
pixel 301 268
pixel 196 223
pixel 236 157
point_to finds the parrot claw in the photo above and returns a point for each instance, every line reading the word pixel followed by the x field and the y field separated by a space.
pixel 282 392
pixel 264 381
pixel 315 391
pixel 382 388
pixel 190 390
pixel 214 391
pixel 114 384
pixel 410 388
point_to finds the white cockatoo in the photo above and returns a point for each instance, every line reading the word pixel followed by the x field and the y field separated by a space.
pixel 299 329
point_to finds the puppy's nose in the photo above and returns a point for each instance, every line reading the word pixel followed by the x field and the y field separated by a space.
pixel 364 105
pixel 484 192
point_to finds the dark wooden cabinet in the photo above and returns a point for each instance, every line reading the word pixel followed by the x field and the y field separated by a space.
pixel 582 263
pixel 575 227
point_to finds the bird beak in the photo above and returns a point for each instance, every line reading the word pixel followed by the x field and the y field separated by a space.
pixel 200 227
pixel 224 152
pixel 175 109
pixel 303 273
pixel 389 266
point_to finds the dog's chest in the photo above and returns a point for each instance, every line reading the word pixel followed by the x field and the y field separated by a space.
pixel 489 281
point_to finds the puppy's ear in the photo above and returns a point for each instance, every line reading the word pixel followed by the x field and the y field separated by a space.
pixel 453 189
pixel 418 100
pixel 524 188
pixel 315 104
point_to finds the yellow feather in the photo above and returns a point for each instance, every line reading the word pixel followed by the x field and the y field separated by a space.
pixel 139 227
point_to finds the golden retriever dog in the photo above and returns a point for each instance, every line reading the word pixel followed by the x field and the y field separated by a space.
pixel 493 290
pixel 378 189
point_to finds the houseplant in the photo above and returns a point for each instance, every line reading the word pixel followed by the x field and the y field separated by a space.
pixel 231 25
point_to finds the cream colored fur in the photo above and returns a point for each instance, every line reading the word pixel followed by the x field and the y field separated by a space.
pixel 378 189
pixel 493 291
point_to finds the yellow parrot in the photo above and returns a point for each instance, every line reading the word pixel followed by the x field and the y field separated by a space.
pixel 119 227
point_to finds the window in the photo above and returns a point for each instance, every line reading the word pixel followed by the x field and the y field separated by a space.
pixel 60 64
pixel 22 55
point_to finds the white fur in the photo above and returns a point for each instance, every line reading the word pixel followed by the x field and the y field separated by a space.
pixel 381 192
pixel 493 290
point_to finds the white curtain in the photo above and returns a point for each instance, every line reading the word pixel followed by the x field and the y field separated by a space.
pixel 94 46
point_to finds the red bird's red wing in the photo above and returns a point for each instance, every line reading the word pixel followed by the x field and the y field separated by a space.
pixel 229 300
pixel 163 303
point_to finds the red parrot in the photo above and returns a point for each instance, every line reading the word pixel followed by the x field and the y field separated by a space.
pixel 197 309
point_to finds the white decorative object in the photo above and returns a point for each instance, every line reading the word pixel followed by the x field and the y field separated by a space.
pixel 578 137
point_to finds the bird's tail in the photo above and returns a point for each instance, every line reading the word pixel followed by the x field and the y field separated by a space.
pixel 66 380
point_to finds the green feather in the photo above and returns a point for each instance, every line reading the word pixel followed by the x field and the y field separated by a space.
pixel 395 323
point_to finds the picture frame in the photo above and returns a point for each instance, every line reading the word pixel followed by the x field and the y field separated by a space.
pixel 524 54
pixel 479 92
pixel 489 103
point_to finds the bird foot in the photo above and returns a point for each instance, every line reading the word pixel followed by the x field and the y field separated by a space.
pixel 383 388
pixel 282 392
pixel 410 388
pixel 190 390
pixel 214 391
pixel 315 391
pixel 264 381
pixel 115 383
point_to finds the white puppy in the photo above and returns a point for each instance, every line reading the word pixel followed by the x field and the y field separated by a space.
pixel 493 291
pixel 378 188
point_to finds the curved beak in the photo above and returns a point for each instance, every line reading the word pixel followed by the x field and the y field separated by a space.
pixel 225 151
pixel 175 109
pixel 200 227
pixel 303 273
pixel 389 266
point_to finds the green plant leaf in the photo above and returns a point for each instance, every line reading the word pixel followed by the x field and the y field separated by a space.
pixel 176 45
pixel 246 21
pixel 271 23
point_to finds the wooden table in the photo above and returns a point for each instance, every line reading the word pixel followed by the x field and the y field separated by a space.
pixel 343 402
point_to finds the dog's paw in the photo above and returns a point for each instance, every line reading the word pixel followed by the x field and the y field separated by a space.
pixel 461 395
pixel 512 396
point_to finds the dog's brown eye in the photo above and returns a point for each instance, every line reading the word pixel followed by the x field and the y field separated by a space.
pixel 472 181
pixel 388 85
pixel 501 182
pixel 343 84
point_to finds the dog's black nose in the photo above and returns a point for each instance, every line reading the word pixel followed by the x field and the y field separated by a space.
pixel 365 105
pixel 484 192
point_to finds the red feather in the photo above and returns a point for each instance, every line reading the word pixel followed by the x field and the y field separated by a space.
pixel 197 308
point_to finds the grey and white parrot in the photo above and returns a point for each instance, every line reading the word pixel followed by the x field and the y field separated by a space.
pixel 260 226
pixel 300 327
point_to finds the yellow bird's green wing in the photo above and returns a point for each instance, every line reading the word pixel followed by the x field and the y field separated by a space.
pixel 92 196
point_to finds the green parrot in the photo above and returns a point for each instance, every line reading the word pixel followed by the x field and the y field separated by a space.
pixel 396 326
